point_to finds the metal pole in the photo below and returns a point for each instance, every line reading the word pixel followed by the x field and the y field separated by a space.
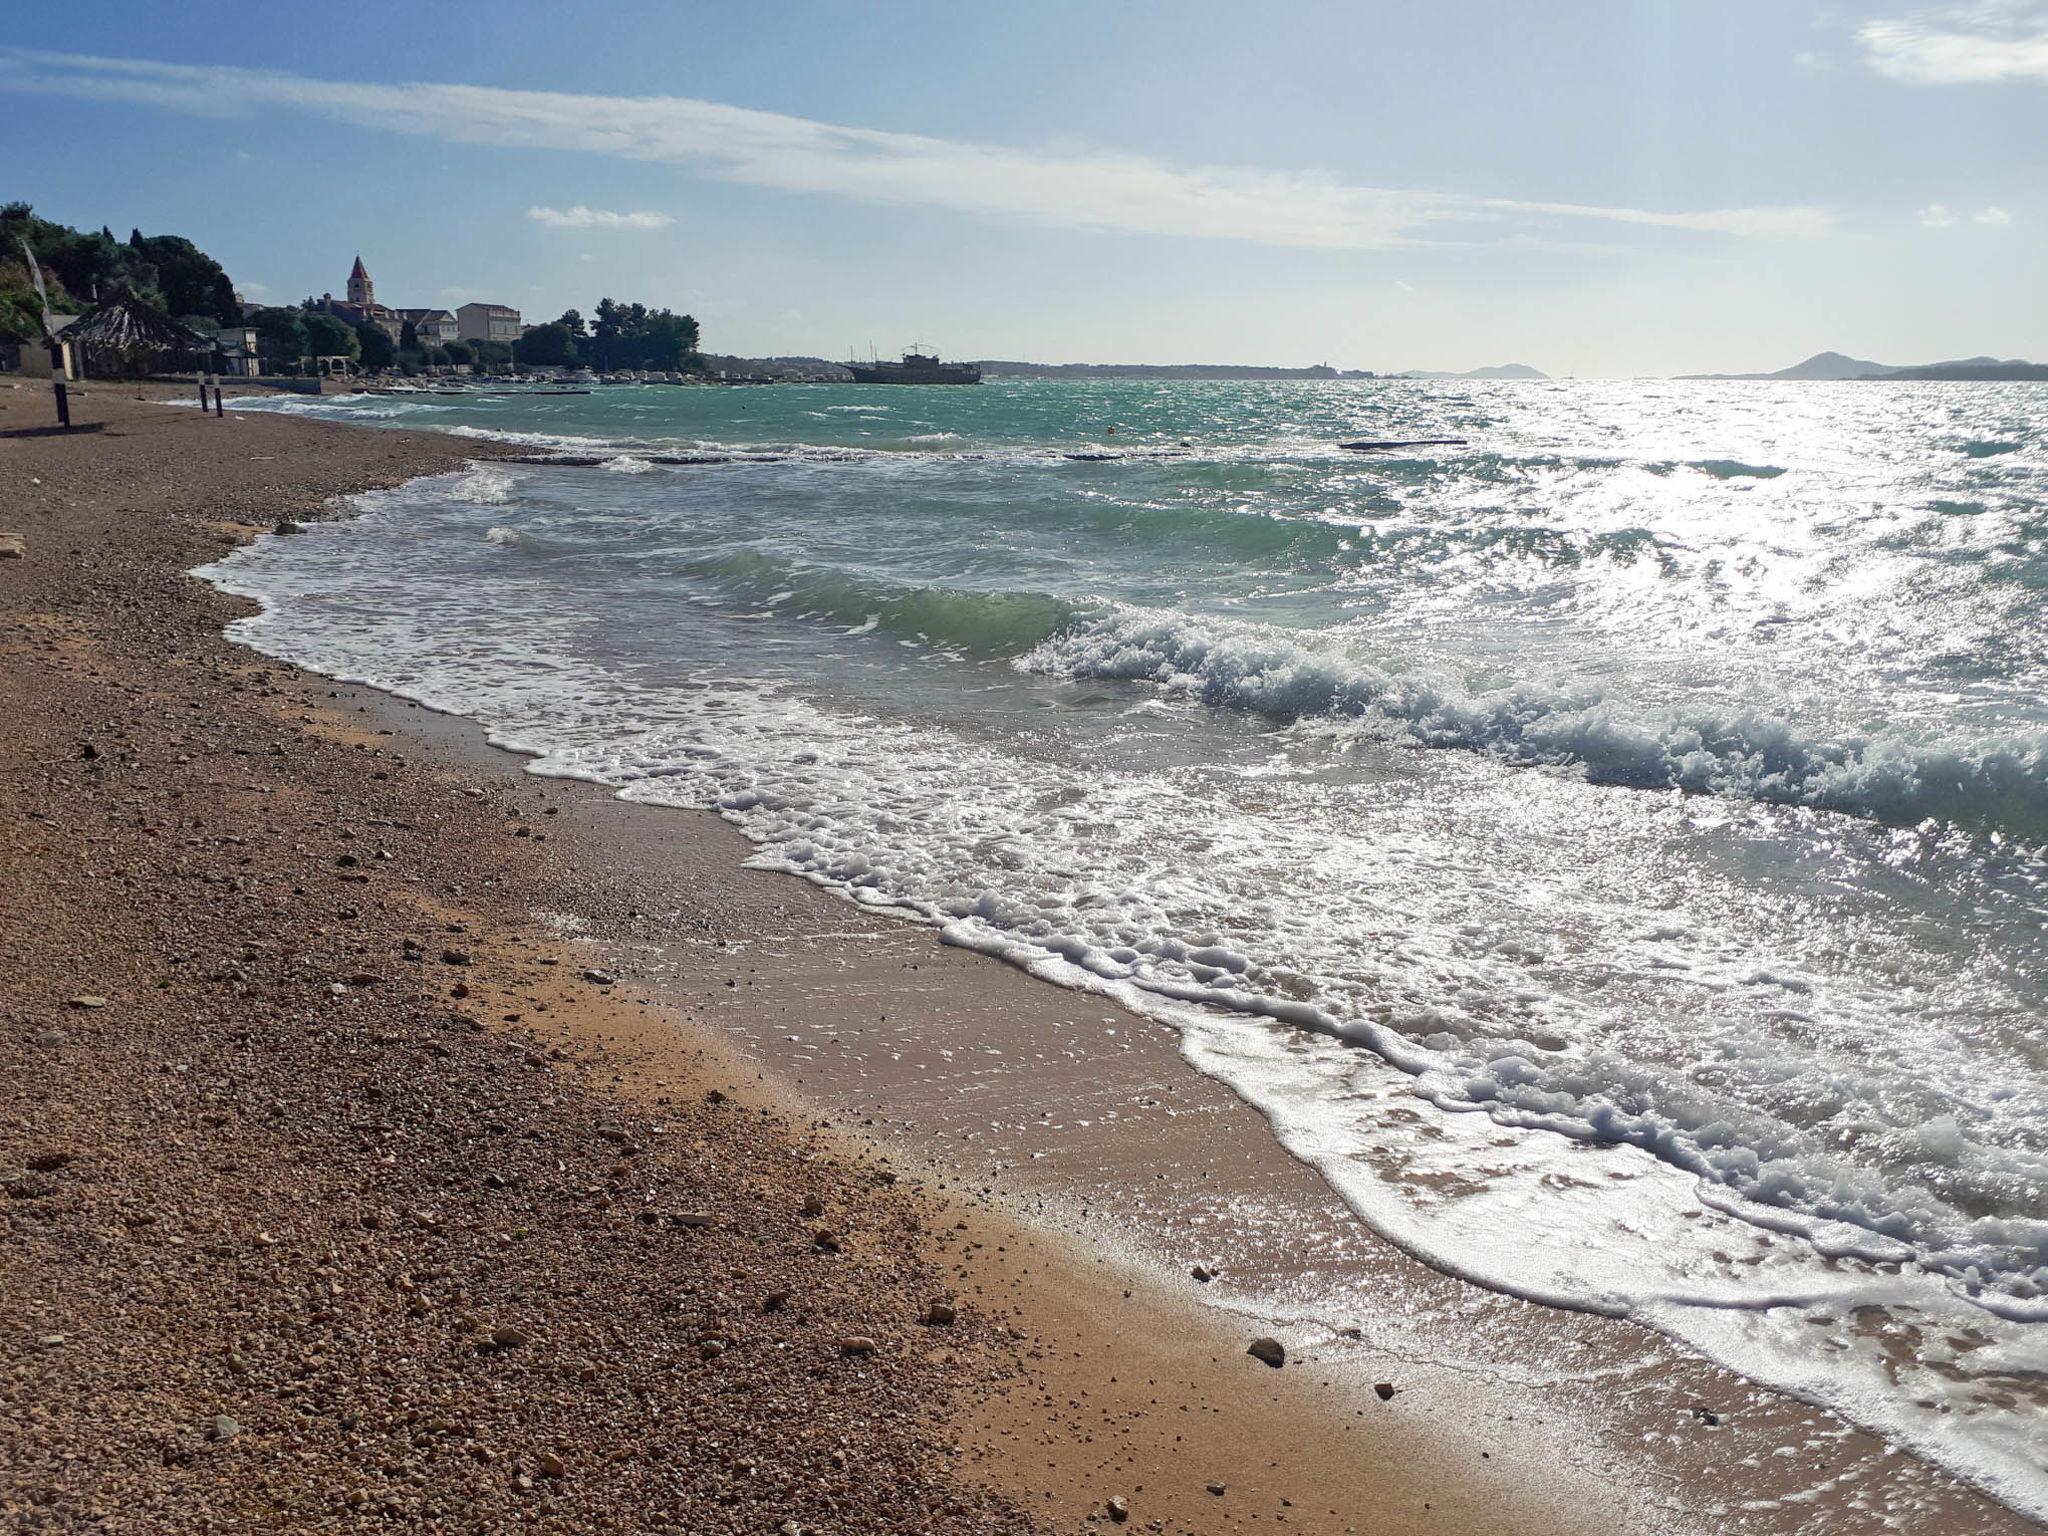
pixel 63 401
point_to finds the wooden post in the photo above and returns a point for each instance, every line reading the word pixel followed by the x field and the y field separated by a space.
pixel 57 389
pixel 204 380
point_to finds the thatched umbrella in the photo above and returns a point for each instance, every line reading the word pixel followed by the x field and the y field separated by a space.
pixel 126 335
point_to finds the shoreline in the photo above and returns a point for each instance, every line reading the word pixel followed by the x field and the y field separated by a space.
pixel 1447 1429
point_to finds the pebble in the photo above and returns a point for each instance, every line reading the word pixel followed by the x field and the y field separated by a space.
pixel 88 1000
pixel 1272 1351
pixel 598 977
pixel 505 1336
pixel 550 1466
pixel 1384 1388
pixel 1203 1273
pixel 1217 1489
pixel 12 547
pixel 857 1344
pixel 1119 1511
pixel 939 1314
pixel 455 957
pixel 221 1427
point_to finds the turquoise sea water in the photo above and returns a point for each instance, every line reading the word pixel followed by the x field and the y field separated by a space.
pixel 1614 850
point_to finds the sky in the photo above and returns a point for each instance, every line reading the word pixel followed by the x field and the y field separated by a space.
pixel 1637 187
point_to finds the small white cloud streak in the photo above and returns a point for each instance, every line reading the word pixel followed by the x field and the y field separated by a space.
pixel 581 217
pixel 1962 45
pixel 1126 193
pixel 1941 216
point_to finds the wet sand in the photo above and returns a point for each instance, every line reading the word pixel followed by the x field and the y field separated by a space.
pixel 921 1087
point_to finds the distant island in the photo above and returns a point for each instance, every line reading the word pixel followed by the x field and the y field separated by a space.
pixel 1836 366
pixel 1504 371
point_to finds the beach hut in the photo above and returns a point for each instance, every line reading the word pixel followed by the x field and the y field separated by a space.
pixel 127 336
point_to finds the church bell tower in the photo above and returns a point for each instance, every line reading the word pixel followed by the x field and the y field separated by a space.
pixel 360 289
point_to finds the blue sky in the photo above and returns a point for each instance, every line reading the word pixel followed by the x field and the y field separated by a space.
pixel 1621 188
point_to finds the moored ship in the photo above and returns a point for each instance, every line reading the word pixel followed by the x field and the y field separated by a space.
pixel 916 368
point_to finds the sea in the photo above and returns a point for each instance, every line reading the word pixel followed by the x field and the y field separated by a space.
pixel 1611 848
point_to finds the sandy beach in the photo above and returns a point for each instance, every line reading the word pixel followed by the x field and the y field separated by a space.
pixel 395 1138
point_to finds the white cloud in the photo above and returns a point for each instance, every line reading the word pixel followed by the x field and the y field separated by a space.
pixel 1065 190
pixel 1960 45
pixel 1941 216
pixel 581 217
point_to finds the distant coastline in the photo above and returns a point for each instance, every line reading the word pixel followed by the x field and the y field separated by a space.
pixel 819 369
pixel 1838 367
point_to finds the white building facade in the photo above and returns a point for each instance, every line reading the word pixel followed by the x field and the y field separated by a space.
pixel 488 322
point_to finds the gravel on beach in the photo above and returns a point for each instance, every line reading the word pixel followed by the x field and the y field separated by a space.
pixel 297 1238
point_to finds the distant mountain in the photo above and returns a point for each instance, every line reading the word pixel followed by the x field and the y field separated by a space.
pixel 1504 371
pixel 1834 365
pixel 1975 368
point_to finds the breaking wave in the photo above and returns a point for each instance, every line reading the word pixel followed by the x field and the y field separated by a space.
pixel 1991 785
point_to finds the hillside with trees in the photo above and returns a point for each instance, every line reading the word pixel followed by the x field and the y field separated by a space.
pixel 170 274
pixel 81 269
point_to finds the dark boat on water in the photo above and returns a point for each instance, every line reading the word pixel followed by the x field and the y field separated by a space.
pixel 916 368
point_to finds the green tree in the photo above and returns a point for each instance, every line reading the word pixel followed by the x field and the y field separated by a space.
pixel 633 336
pixel 166 271
pixel 408 337
pixel 669 341
pixel 327 336
pixel 459 353
pixel 281 334
pixel 188 281
pixel 547 346
pixel 376 347
pixel 21 312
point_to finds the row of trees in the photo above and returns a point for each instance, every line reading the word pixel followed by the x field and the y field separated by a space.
pixel 81 269
pixel 619 336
